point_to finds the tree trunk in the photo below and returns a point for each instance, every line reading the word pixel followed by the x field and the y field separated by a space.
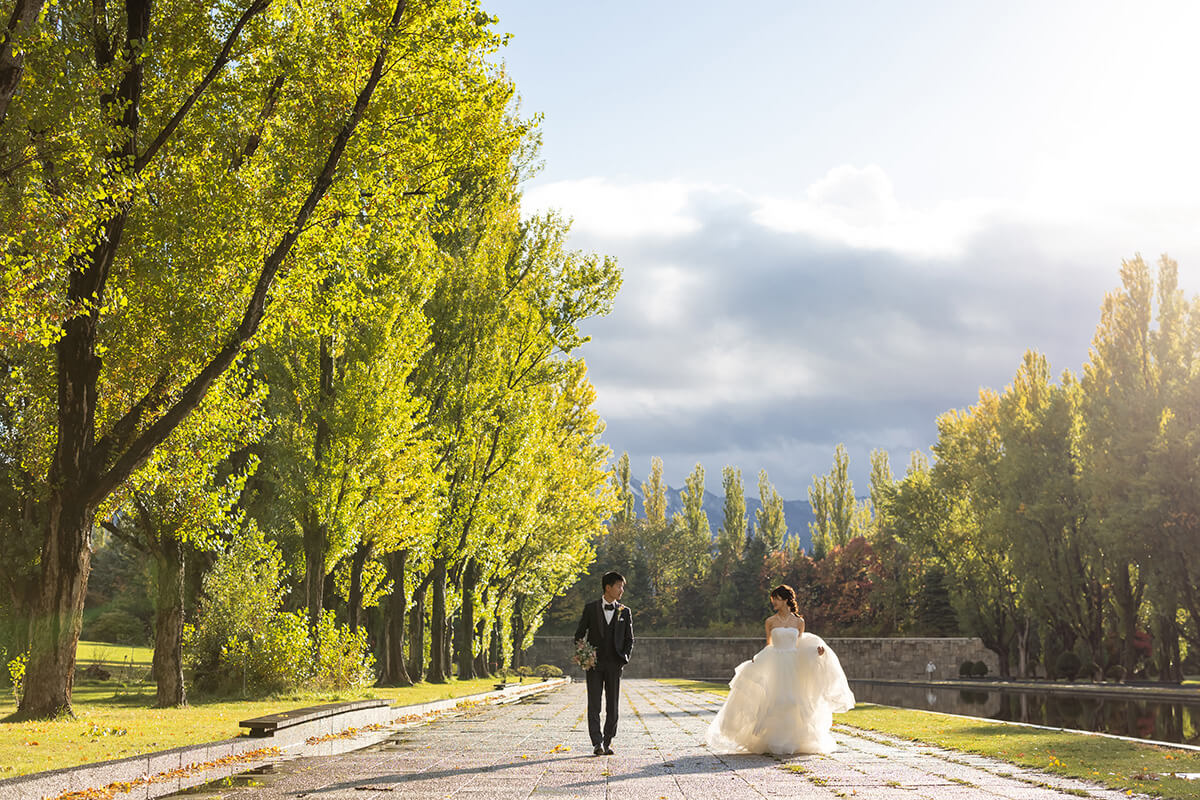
pixel 466 629
pixel 58 612
pixel 1001 646
pixel 438 665
pixel 316 533
pixel 1128 599
pixel 1167 635
pixel 494 644
pixel 314 573
pixel 168 625
pixel 482 668
pixel 394 671
pixel 357 562
pixel 518 634
pixel 1023 649
pixel 416 636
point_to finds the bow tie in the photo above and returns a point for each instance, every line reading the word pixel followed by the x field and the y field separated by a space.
pixel 610 606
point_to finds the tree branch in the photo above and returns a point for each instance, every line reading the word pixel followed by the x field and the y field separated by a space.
pixel 263 117
pixel 256 7
pixel 12 63
pixel 128 538
pixel 125 428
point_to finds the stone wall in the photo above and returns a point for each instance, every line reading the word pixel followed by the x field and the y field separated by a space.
pixel 715 658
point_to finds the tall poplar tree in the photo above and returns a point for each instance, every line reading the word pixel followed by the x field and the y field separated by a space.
pixel 1139 364
pixel 821 528
pixel 693 527
pixel 654 495
pixel 731 536
pixel 731 544
pixel 837 516
pixel 770 524
pixel 621 483
pixel 882 481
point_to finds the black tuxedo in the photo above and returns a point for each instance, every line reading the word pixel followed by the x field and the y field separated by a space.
pixel 613 642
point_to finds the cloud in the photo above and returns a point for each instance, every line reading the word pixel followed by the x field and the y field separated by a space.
pixel 761 332
pixel 612 210
pixel 857 207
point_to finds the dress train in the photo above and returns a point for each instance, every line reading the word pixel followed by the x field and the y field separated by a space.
pixel 783 700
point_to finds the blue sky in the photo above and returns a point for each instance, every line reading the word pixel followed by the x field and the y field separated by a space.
pixel 838 220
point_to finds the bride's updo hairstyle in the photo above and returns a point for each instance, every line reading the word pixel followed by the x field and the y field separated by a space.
pixel 787 595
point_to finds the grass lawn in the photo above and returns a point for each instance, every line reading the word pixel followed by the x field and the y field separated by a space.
pixel 114 723
pixel 1110 762
pixel 113 655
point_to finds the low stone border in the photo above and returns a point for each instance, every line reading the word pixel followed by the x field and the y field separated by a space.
pixel 272 724
pixel 168 771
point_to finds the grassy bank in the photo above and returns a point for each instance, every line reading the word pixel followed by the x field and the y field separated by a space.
pixel 115 720
pixel 1113 763
pixel 113 655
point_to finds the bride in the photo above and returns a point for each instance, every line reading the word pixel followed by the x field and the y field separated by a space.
pixel 782 701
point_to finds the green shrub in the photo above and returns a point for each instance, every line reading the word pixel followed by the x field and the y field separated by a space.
pixel 548 671
pixel 16 673
pixel 345 659
pixel 525 672
pixel 1068 665
pixel 979 669
pixel 1115 672
pixel 966 668
pixel 242 593
pixel 117 627
pixel 271 660
pixel 244 641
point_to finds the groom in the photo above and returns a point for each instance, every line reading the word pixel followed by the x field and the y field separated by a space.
pixel 608 626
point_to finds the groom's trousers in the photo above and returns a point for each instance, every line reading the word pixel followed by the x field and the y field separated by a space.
pixel 606 677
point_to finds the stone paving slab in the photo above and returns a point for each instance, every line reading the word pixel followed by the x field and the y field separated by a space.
pixel 539 749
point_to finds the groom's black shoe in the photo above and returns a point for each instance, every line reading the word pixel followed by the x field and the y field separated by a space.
pixel 599 750
pixel 608 749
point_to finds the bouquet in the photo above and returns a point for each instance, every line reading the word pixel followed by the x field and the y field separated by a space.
pixel 585 654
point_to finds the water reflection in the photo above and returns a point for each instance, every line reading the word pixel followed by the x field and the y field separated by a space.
pixel 1161 721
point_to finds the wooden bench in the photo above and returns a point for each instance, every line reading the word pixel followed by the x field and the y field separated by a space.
pixel 269 724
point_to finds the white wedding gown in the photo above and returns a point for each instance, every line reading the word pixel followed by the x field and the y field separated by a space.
pixel 783 700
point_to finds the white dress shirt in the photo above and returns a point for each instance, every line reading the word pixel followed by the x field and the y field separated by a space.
pixel 608 615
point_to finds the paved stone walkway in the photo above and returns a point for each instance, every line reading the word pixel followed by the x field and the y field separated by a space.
pixel 539 749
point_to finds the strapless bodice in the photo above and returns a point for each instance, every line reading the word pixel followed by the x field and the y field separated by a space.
pixel 784 638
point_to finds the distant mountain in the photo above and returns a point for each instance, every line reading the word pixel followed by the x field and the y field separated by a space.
pixel 797 513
